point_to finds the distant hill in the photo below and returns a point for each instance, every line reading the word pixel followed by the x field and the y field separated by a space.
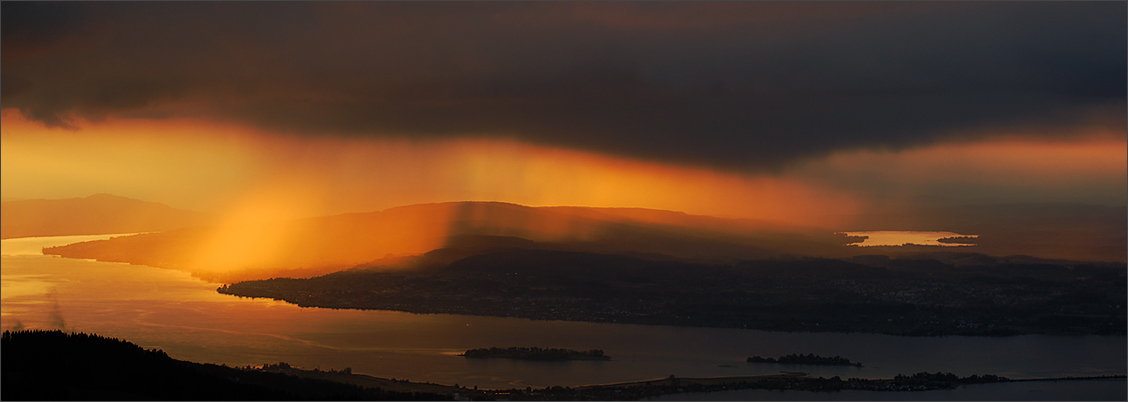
pixel 96 214
pixel 315 246
pixel 389 238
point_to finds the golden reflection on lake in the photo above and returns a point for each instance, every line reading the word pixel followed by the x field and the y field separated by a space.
pixel 903 238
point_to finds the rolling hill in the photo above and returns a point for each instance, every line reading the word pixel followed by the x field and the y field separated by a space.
pixel 96 214
pixel 389 238
pixel 319 245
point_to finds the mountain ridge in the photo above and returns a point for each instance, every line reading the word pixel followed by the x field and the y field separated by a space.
pixel 318 245
pixel 95 214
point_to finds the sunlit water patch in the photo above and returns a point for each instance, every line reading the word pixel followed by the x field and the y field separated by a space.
pixel 904 238
pixel 35 245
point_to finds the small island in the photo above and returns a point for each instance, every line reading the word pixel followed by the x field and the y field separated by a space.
pixel 536 354
pixel 808 359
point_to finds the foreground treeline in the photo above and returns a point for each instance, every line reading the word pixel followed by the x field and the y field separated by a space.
pixel 53 365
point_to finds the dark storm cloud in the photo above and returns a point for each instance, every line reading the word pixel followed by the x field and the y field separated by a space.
pixel 735 85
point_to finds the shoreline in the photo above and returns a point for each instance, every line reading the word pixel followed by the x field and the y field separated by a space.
pixel 786 381
pixel 654 387
pixel 785 374
pixel 628 321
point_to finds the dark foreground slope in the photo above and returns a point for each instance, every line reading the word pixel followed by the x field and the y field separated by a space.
pixel 52 365
pixel 925 295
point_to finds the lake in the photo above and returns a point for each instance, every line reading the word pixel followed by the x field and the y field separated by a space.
pixel 188 319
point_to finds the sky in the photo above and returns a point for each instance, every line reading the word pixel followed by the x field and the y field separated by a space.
pixel 789 111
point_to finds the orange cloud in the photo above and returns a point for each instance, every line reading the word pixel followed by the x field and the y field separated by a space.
pixel 255 179
pixel 182 163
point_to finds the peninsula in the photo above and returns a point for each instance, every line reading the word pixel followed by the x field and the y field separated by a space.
pixel 922 295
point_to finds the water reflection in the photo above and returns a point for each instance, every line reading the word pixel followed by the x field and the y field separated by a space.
pixel 35 245
pixel 902 238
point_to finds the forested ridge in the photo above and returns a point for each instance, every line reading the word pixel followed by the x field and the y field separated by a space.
pixel 53 365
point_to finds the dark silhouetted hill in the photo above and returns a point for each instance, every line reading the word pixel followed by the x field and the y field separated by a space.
pixel 907 295
pixel 52 365
pixel 315 246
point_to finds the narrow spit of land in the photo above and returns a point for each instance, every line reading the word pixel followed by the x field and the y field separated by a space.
pixel 636 390
pixel 535 353
pixel 807 359
pixel 790 381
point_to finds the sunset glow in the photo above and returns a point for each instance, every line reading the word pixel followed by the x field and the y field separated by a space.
pixel 379 195
pixel 280 177
pixel 257 183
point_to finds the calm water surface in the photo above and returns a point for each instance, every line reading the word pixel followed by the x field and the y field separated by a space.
pixel 184 316
pixel 901 237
